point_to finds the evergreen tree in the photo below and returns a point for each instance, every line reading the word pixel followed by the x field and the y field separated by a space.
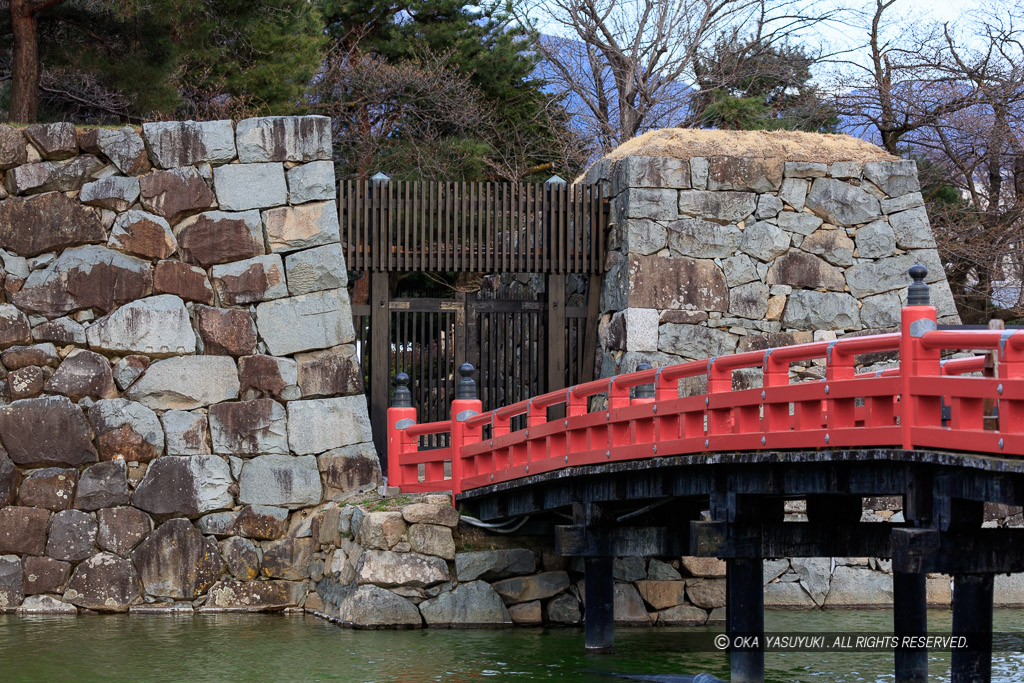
pixel 749 85
pixel 107 60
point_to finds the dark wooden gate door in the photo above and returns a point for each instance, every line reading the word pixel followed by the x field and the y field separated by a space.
pixel 523 340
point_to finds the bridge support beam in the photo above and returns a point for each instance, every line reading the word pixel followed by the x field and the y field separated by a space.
pixel 910 618
pixel 744 618
pixel 600 604
pixel 972 617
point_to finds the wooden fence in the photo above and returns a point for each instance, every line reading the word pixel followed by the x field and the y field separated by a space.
pixel 481 227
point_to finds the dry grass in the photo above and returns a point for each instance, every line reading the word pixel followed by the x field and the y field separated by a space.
pixel 684 143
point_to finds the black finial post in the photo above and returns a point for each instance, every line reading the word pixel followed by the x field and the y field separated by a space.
pixel 644 390
pixel 402 398
pixel 466 387
pixel 917 293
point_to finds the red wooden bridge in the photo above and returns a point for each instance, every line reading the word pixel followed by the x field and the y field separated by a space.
pixel 946 434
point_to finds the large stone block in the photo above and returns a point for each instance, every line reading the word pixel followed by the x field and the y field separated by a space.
pixel 859 587
pixel 802 222
pixel 12 589
pixel 249 428
pixel 114 193
pixel 14 327
pixel 658 172
pixel 10 477
pixel 833 245
pixel 176 561
pixel 186 382
pixel 312 182
pixel 676 283
pixel 644 236
pixel 284 138
pixel 267 374
pixel 182 280
pixel 280 480
pixel 655 204
pixel 83 373
pixel 241 187
pixel 184 143
pixel 330 372
pixel 881 311
pixel 52 176
pixel 103 485
pixel 226 332
pixel 46 431
pixel 490 565
pixel 143 234
pixel 887 274
pixel 389 569
pixel 875 240
pixel 432 539
pixel 72 535
pixel 122 528
pixel 176 193
pixel 45 575
pixel 808 310
pixel 290 228
pixel 526 588
pixel 17 357
pixel 662 594
pixel 703 239
pixel 214 237
pixel 104 583
pixel 470 604
pixel 185 433
pixel 695 342
pixel 304 323
pixel 721 207
pixel 61 331
pixel 57 221
pixel 841 203
pixel 187 485
pixel 85 277
pixel 288 558
pixel 123 146
pixel 245 282
pixel 749 301
pixel 155 326
pixel 912 229
pixel 744 173
pixel 800 269
pixel 23 530
pixel 350 467
pixel 13 149
pixel 794 193
pixel 316 269
pixel 126 429
pixel 241 557
pixel 254 596
pixel 52 488
pixel 319 425
pixel 895 178
pixel 374 607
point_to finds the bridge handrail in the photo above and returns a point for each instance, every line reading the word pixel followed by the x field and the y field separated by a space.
pixel 907 405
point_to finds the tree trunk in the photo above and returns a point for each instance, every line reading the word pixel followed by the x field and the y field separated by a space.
pixel 25 76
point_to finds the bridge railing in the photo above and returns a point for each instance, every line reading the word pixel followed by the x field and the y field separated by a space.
pixel 644 415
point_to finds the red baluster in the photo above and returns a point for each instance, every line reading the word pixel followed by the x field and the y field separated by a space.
pixel 401 415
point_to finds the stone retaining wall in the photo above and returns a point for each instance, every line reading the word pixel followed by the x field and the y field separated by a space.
pixel 177 367
pixel 713 256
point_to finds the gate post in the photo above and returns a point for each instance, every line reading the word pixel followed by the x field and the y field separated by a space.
pixel 401 415
pixel 916 318
pixel 465 406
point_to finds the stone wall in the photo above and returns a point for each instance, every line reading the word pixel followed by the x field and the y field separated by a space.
pixel 712 256
pixel 177 367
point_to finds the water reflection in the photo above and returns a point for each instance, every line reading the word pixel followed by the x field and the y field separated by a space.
pixel 240 647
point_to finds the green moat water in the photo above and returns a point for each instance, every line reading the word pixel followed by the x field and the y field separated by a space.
pixel 239 647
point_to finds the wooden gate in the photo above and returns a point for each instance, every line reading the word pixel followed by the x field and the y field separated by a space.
pixel 521 342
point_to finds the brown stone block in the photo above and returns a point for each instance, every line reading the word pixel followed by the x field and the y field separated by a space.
pixel 331 372
pixel 52 488
pixel 226 332
pixel 26 382
pixel 176 193
pixel 181 279
pixel 45 575
pixel 676 283
pixel 218 237
pixel 57 222
pixel 46 431
pixel 23 530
